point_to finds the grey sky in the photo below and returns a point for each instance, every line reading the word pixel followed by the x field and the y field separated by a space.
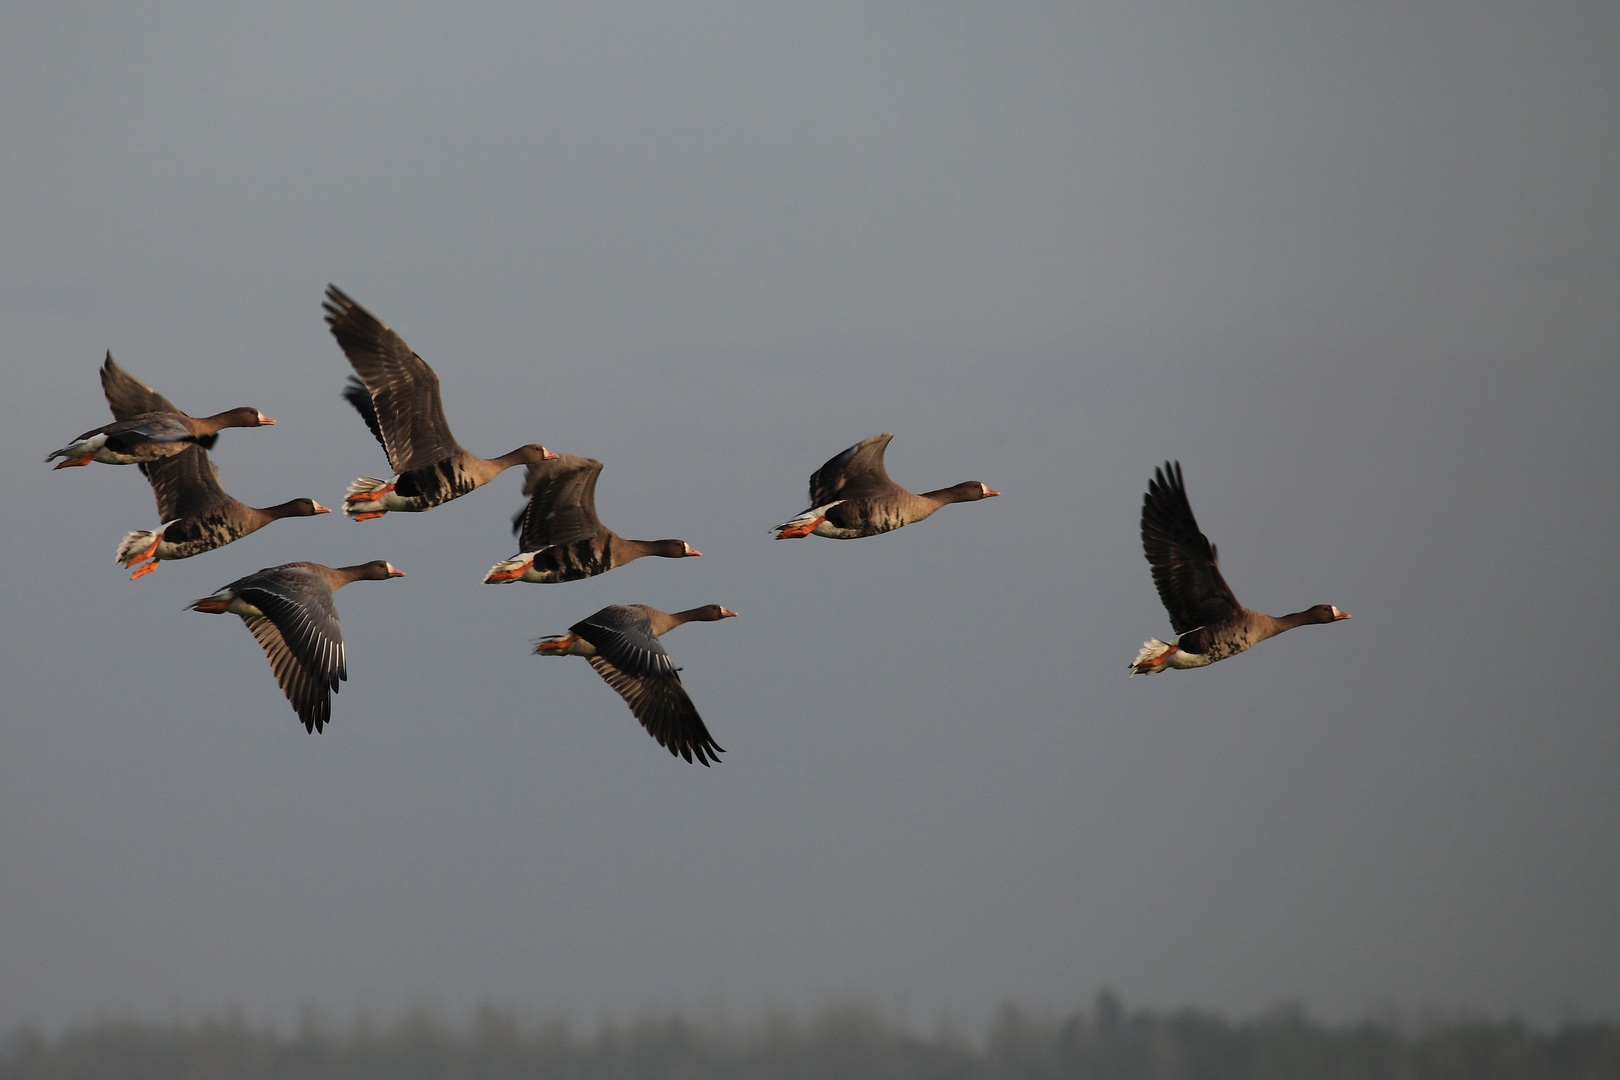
pixel 1356 266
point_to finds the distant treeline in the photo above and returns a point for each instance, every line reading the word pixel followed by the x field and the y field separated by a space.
pixel 849 1041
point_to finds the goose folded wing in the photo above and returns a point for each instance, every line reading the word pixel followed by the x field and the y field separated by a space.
pixel 151 428
pixel 624 637
pixel 305 620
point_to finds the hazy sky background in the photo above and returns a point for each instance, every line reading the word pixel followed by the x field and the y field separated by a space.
pixel 1356 265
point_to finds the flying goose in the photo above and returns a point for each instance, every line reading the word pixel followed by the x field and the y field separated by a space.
pixel 397 395
pixel 852 495
pixel 196 512
pixel 290 611
pixel 621 642
pixel 148 426
pixel 1211 623
pixel 559 535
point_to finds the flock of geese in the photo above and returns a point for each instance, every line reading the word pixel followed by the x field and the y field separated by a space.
pixel 290 611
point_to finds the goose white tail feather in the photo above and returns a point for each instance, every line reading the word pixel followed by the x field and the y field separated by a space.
pixel 370 497
pixel 813 521
pixel 1150 661
pixel 135 545
pixel 563 645
pixel 91 446
pixel 509 570
pixel 363 485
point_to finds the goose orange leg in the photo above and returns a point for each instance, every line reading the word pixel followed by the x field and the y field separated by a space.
pixel 495 577
pixel 142 556
pixel 804 528
pixel 1147 667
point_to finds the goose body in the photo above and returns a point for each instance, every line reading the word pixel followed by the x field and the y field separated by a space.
pixel 148 427
pixel 1210 622
pixel 289 609
pixel 397 395
pixel 852 496
pixel 560 536
pixel 621 643
pixel 196 512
